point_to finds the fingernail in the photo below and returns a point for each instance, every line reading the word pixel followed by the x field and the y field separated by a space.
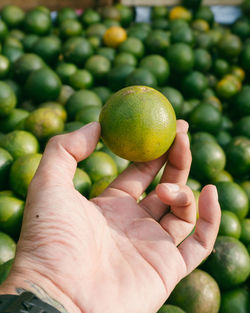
pixel 216 191
pixel 172 187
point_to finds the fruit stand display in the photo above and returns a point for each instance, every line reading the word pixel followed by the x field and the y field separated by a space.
pixel 57 73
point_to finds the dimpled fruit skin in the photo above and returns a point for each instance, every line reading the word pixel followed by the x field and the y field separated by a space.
pixel 138 123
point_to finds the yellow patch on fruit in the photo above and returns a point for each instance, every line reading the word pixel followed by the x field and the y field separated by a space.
pixel 138 123
pixel 114 36
pixel 180 12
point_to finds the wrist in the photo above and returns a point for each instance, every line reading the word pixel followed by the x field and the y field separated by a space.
pixel 41 286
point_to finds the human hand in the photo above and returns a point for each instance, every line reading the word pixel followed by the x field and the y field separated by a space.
pixel 111 254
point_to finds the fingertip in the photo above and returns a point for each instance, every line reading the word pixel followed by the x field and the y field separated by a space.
pixel 182 126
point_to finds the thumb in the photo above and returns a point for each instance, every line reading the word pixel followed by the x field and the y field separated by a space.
pixel 62 153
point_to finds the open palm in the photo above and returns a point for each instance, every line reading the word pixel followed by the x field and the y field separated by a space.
pixel 112 254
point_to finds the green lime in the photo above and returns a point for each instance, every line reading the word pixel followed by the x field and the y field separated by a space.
pixel 229 225
pixel 222 176
pixel 202 60
pixel 12 15
pixel 57 108
pixel 7 248
pixel 44 123
pixel 236 300
pixel 65 71
pixel 168 308
pixel 65 93
pixel 4 270
pixel 76 50
pixel 19 143
pixel 180 57
pixel 4 66
pixel 238 156
pixel 43 85
pixel 230 46
pixel 12 53
pixel 194 84
pixel 245 57
pixel 157 42
pixel 245 231
pixel 6 161
pixel 82 182
pixel 233 198
pixel 242 127
pixel 121 163
pixel 8 99
pixel 22 172
pixel 125 58
pixel 98 165
pixel 141 77
pixel 48 48
pixel 70 28
pixel 158 66
pixel 208 160
pixel 242 102
pixel 107 52
pixel 175 97
pixel 81 79
pixel 98 66
pixel 133 46
pixel 229 262
pixel 117 76
pixel 193 184
pixel 126 14
pixel 11 215
pixel 3 30
pixel 90 17
pixel 88 114
pixel 25 65
pixel 100 185
pixel 81 99
pixel 103 92
pixel 205 13
pixel 37 22
pixel 65 14
pixel 198 292
pixel 28 41
pixel 96 30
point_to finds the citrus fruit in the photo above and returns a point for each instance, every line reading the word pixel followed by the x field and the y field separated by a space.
pixel 3 30
pixel 159 12
pixel 107 52
pixel 160 23
pixel 65 71
pixel 242 127
pixel 25 65
pixel 103 92
pixel 180 12
pixel 11 215
pixel 194 84
pixel 229 262
pixel 6 161
pixel 205 117
pixel 245 57
pixel 230 46
pixel 229 225
pixel 4 270
pixel 117 76
pixel 238 156
pixel 200 25
pixel 157 42
pixel 100 185
pixel 198 292
pixel 82 182
pixel 184 35
pixel 141 76
pixel 110 12
pixel 43 85
pixel 76 50
pixel 28 41
pixel 125 58
pixel 4 66
pixel 81 79
pixel 8 99
pixel 12 15
pixel 12 53
pixel 88 114
pixel 37 22
pixel 80 99
pixel 242 102
pixel 126 14
pixel 44 123
pixel 13 120
pixel 202 60
pixel 114 36
pixel 70 28
pixel 98 66
pixel 193 184
pixel 19 142
pixel 158 66
pixel 180 57
pixel 89 17
pixel 205 13
pixel 175 97
pixel 22 172
pixel 138 123
pixel 7 248
pixel 65 14
pixel 168 308
pixel 65 93
pixel 98 165
pixel 245 231
pixel 133 46
pixel 48 48
pixel 202 136
pixel 233 198
pixel 208 160
pixel 241 28
pixel 96 30
pixel 121 163
pixel 222 176
pixel 57 108
pixel 236 300
pixel 246 186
